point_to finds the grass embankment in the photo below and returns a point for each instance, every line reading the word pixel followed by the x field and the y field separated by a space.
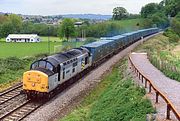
pixel 11 70
pixel 164 54
pixel 116 98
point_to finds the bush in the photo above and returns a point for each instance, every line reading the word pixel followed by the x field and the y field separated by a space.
pixel 173 37
pixel 13 63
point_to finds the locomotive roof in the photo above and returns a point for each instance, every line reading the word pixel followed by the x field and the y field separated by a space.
pixel 65 56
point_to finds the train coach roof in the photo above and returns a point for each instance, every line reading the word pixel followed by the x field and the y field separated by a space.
pixel 65 56
pixel 117 37
pixel 96 44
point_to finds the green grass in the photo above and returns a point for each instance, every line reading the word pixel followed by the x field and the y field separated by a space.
pixel 115 98
pixel 45 38
pixel 30 49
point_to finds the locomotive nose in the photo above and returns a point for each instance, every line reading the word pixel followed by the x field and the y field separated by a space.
pixel 35 81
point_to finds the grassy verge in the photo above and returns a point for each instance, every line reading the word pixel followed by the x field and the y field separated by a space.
pixel 12 70
pixel 164 55
pixel 116 98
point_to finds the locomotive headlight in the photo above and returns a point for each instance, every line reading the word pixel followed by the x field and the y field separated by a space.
pixel 33 84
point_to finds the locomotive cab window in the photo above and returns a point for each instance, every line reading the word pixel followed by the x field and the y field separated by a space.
pixel 49 66
pixel 35 65
pixel 42 64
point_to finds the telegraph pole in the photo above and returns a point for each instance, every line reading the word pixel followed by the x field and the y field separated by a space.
pixel 48 40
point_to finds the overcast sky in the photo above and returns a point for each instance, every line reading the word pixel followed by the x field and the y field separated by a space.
pixel 55 7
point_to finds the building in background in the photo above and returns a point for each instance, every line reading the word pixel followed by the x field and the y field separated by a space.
pixel 23 38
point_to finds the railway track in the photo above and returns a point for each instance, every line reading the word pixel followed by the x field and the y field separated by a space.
pixel 20 111
pixel 10 93
pixel 14 105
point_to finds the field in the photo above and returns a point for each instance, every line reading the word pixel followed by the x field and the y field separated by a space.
pixel 31 49
pixel 114 99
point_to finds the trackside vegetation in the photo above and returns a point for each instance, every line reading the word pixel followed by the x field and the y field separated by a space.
pixel 163 54
pixel 116 98
pixel 12 69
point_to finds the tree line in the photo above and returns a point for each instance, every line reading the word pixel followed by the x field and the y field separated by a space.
pixel 160 15
pixel 13 24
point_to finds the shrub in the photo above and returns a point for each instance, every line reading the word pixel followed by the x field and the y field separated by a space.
pixel 173 37
pixel 13 63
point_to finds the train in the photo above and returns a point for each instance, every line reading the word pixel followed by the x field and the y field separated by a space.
pixel 46 74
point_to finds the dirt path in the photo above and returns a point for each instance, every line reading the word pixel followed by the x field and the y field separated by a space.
pixel 170 88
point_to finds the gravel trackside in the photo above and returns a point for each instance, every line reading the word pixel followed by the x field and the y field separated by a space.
pixel 70 98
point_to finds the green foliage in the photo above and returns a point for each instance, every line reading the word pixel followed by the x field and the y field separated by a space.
pixel 119 13
pixel 121 102
pixel 159 19
pixel 12 69
pixel 13 24
pixel 176 24
pixel 114 99
pixel 172 7
pixel 111 28
pixel 149 9
pixel 67 29
pixel 10 24
pixel 173 37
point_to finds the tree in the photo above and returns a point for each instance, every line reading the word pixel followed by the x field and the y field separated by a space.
pixel 149 9
pixel 67 28
pixel 16 22
pixel 172 7
pixel 119 13
pixel 176 24
pixel 160 19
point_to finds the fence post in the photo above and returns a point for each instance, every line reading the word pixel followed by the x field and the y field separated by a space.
pixel 168 112
pixel 157 94
pixel 150 87
pixel 145 83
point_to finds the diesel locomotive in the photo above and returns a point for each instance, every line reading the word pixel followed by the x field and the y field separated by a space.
pixel 48 73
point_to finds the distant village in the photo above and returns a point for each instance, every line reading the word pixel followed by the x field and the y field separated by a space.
pixel 55 20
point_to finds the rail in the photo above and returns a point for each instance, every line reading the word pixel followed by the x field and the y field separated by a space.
pixel 142 77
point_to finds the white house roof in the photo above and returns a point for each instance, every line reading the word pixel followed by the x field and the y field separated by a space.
pixel 22 36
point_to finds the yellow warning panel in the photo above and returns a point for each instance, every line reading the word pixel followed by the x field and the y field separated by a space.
pixel 35 81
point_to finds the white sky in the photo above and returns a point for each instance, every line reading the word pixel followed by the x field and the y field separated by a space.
pixel 56 7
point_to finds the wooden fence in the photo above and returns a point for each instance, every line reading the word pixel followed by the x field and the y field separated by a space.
pixel 146 81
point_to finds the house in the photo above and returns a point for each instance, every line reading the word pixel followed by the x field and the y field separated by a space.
pixel 23 38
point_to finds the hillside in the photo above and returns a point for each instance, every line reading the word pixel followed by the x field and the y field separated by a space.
pixel 88 16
